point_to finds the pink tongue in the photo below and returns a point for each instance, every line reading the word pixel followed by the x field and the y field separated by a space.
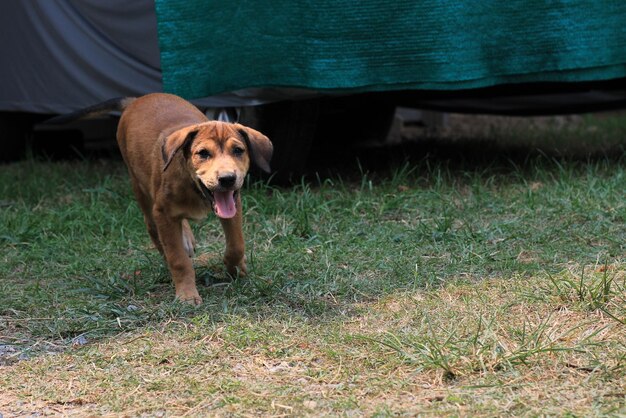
pixel 225 204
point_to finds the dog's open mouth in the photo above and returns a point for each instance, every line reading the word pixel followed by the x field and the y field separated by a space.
pixel 224 202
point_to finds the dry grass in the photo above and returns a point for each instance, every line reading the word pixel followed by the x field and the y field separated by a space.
pixel 497 347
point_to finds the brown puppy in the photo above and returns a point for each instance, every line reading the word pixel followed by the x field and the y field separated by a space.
pixel 182 166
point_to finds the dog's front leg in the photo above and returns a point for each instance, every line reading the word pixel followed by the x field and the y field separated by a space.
pixel 234 256
pixel 176 256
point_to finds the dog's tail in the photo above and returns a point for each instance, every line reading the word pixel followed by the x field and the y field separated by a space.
pixel 113 105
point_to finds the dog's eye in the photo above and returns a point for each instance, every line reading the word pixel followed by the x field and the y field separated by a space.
pixel 238 151
pixel 204 154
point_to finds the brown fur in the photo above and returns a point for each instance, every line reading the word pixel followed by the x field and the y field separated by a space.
pixel 165 142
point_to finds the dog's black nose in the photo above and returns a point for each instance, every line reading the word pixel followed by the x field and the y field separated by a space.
pixel 227 180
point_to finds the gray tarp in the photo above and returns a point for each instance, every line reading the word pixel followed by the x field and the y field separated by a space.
pixel 61 55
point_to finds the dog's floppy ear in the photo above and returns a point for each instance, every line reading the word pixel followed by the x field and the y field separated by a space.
pixel 259 147
pixel 175 142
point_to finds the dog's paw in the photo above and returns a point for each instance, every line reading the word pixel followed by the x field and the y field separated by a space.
pixel 236 269
pixel 190 296
pixel 235 262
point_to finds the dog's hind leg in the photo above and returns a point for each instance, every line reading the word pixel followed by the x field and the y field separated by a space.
pixel 146 208
pixel 189 242
pixel 154 234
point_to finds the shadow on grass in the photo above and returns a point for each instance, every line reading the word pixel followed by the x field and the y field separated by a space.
pixel 480 156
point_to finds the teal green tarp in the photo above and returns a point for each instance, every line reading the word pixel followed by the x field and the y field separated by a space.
pixel 210 47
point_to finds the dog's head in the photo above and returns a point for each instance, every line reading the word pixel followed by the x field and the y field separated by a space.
pixel 218 155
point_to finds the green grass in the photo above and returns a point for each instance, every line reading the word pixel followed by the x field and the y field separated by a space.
pixel 438 287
